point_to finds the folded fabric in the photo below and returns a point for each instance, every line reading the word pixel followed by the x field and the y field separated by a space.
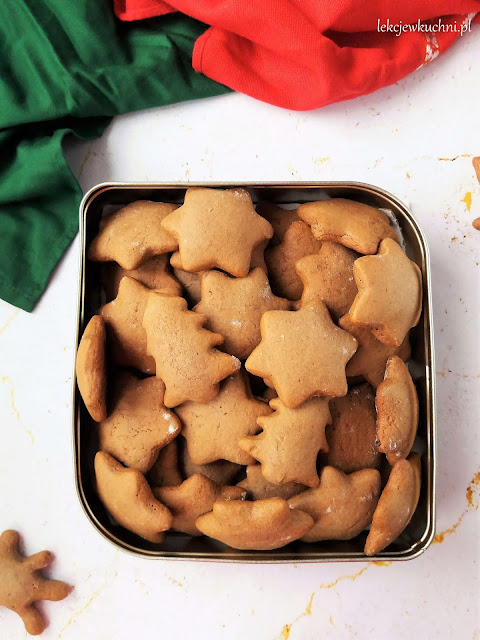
pixel 68 67
pixel 306 54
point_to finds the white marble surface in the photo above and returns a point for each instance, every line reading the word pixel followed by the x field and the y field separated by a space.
pixel 415 139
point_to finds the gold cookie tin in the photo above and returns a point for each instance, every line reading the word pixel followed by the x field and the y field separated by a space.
pixel 419 533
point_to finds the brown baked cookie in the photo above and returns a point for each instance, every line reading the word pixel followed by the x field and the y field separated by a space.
pixel 328 275
pixel 234 307
pixel 258 257
pixel 186 359
pixel 476 166
pixel 191 283
pixel 279 218
pixel 370 359
pixel 165 471
pixel 342 506
pixel 139 424
pixel 290 441
pixel 217 228
pixel 302 353
pixel 221 471
pixel 262 525
pixel 154 274
pixel 22 584
pixel 91 368
pixel 133 234
pixel 389 299
pixel 213 430
pixel 129 499
pixel 269 394
pixel 258 488
pixel 123 319
pixel 397 411
pixel 297 243
pixel 351 437
pixel 353 224
pixel 396 504
pixel 191 499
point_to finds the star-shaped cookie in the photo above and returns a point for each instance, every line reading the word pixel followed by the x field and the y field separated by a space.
pixel 353 224
pixel 258 488
pixel 389 299
pixel 302 353
pixel 328 275
pixel 133 234
pixel 22 584
pixel 212 430
pixel 279 218
pixel 217 228
pixel 290 441
pixel 139 424
pixel 234 307
pixel 125 333
pixel 342 506
pixel 165 471
pixel 129 499
pixel 221 471
pixel 91 368
pixel 194 497
pixel 186 359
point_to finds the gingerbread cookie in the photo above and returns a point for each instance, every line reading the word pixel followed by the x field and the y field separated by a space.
pixel 221 471
pixel 91 368
pixel 128 498
pixel 342 506
pixel 191 499
pixel 353 224
pixel 234 307
pixel 262 525
pixel 191 283
pixel 165 471
pixel 297 243
pixel 154 274
pixel 258 488
pixel 370 359
pixel 22 584
pixel 258 257
pixel 328 275
pixel 213 429
pixel 351 437
pixel 279 218
pixel 389 299
pixel 217 228
pixel 290 441
pixel 139 424
pixel 186 359
pixel 302 353
pixel 397 408
pixel 123 318
pixel 476 166
pixel 396 504
pixel 133 234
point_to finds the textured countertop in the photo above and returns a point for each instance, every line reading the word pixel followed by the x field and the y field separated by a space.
pixel 415 139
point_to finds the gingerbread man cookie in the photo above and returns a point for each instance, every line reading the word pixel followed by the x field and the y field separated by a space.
pixel 91 368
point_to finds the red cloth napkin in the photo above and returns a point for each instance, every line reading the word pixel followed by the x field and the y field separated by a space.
pixel 304 54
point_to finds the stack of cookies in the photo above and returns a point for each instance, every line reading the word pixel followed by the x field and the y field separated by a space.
pixel 259 392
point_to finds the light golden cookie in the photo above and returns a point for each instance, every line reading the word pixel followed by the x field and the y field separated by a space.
pixel 290 441
pixel 297 243
pixel 302 353
pixel 133 234
pixel 154 274
pixel 139 424
pixel 258 488
pixel 213 430
pixel 370 359
pixel 353 224
pixel 128 498
pixel 328 275
pixel 262 525
pixel 397 408
pixel 123 319
pixel 476 166
pixel 279 218
pixel 396 504
pixel 389 299
pixel 91 368
pixel 221 471
pixel 234 307
pixel 342 506
pixel 191 283
pixel 217 228
pixel 191 499
pixel 351 437
pixel 165 471
pixel 186 359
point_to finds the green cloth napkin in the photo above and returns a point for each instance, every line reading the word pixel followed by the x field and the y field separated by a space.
pixel 69 66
